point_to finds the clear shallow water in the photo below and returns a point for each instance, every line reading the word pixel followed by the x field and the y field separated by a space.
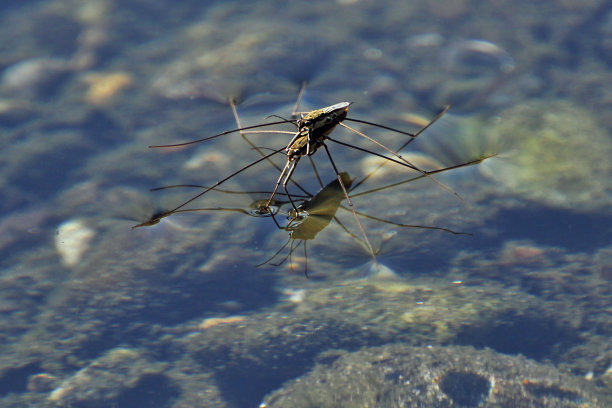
pixel 95 313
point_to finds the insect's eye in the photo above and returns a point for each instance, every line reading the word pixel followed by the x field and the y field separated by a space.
pixel 305 123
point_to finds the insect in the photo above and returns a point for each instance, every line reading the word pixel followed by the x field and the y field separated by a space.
pixel 313 130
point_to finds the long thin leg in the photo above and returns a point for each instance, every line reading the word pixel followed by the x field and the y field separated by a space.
pixel 258 149
pixel 295 137
pixel 316 172
pixel 218 183
pixel 306 261
pixel 399 156
pixel 299 99
pixel 373 153
pixel 278 182
pixel 227 132
pixel 412 135
pixel 243 133
pixel 429 227
pixel 470 163
pixel 424 128
pixel 275 254
pixel 350 203
pixel 294 163
pixel 403 146
pixel 290 255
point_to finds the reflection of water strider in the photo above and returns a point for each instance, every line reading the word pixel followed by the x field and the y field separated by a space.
pixel 313 130
pixel 313 216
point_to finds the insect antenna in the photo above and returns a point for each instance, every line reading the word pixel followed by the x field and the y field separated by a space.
pixel 280 117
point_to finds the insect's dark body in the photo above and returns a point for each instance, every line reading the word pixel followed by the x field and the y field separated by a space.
pixel 313 128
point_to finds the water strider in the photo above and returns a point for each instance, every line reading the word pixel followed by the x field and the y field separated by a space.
pixel 313 131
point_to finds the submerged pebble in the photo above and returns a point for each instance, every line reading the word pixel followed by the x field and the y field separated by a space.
pixel 103 86
pixel 29 76
pixel 554 153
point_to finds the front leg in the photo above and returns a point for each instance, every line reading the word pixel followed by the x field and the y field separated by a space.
pixel 280 177
pixel 294 163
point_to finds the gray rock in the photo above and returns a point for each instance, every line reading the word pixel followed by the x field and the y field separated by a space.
pixel 434 377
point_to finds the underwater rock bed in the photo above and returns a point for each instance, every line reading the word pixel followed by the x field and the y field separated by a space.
pixel 401 376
